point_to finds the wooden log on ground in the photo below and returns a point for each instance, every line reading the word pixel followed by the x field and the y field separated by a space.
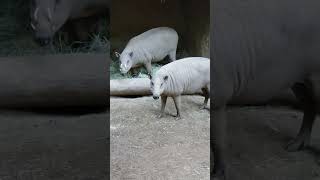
pixel 141 87
pixel 130 87
pixel 54 81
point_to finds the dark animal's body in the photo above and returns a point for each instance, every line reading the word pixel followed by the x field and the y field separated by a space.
pixel 260 48
pixel 48 16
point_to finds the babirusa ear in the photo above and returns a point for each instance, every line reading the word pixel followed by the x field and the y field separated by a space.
pixel 131 54
pixel 165 78
pixel 150 76
pixel 117 54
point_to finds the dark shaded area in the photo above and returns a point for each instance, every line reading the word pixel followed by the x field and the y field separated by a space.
pixel 54 109
pixel 16 34
pixel 57 127
pixel 260 49
pixel 54 81
pixel 71 111
pixel 257 137
pixel 56 147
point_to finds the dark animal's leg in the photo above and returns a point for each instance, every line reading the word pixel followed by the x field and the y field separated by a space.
pixel 163 105
pixel 149 68
pixel 177 100
pixel 304 92
pixel 218 126
pixel 206 96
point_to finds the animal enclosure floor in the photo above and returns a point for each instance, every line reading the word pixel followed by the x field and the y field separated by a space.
pixel 51 146
pixel 145 147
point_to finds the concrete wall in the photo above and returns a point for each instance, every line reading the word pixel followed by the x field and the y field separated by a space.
pixel 189 18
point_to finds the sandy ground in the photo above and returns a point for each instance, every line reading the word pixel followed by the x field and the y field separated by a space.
pixel 145 147
pixel 53 146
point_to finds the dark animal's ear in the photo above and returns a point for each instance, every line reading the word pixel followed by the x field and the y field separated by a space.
pixel 165 78
pixel 131 54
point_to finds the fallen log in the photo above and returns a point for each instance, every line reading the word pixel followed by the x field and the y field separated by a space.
pixel 130 87
pixel 51 81
pixel 141 87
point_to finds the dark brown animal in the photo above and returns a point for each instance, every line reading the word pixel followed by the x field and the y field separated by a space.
pixel 259 49
pixel 48 16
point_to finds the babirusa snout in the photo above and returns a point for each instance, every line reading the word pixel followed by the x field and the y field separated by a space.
pixel 155 94
pixel 43 41
pixel 123 68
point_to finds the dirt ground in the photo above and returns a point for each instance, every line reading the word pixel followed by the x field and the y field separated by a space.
pixel 257 136
pixel 53 146
pixel 144 147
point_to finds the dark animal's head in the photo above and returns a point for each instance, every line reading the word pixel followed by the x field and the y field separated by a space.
pixel 125 61
pixel 158 84
pixel 42 20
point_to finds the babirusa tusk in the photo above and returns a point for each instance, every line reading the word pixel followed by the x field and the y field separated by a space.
pixel 36 13
pixel 49 14
pixel 33 27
